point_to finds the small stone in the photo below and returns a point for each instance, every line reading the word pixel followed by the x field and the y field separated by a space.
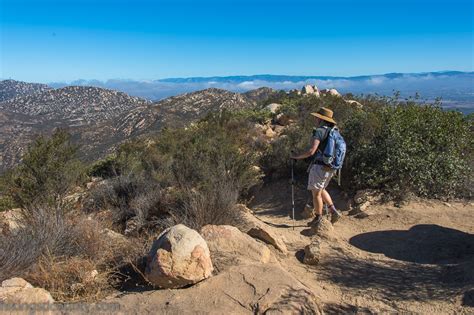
pixel 362 215
pixel 312 253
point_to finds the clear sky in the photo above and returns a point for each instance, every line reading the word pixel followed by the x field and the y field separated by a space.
pixel 45 40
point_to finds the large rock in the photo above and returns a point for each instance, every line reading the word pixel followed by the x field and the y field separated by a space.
pixel 354 103
pixel 273 107
pixel 310 90
pixel 259 230
pixel 282 119
pixel 325 230
pixel 179 257
pixel 252 289
pixel 19 291
pixel 312 253
pixel 10 221
pixel 332 92
pixel 230 247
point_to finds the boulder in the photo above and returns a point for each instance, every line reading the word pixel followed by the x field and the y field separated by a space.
pixel 332 92
pixel 11 221
pixel 367 195
pixel 278 129
pixel 19 291
pixel 178 257
pixel 312 253
pixel 260 128
pixel 273 107
pixel 325 229
pixel 282 119
pixel 354 103
pixel 270 133
pixel 230 247
pixel 310 90
pixel 259 230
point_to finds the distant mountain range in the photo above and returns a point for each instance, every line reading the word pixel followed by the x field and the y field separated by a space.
pixel 454 87
pixel 101 118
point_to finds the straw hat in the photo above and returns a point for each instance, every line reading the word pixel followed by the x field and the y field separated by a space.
pixel 325 114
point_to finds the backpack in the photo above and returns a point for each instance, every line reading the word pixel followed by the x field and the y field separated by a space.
pixel 333 149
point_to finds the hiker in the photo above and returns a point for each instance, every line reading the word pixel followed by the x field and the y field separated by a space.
pixel 327 160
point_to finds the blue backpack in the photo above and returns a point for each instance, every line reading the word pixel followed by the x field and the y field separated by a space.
pixel 333 149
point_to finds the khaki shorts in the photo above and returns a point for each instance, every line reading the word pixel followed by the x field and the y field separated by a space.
pixel 319 177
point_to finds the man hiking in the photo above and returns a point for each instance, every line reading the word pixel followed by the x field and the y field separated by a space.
pixel 328 149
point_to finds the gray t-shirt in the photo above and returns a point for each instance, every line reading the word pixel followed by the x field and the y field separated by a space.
pixel 319 134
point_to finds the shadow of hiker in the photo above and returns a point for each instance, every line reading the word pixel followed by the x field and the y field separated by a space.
pixel 393 280
pixel 423 244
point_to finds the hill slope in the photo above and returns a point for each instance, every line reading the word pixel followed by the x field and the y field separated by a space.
pixel 100 119
pixel 76 104
pixel 10 89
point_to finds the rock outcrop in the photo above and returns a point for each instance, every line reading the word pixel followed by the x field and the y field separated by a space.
pixel 273 107
pixel 259 230
pixel 354 103
pixel 19 291
pixel 230 247
pixel 331 92
pixel 310 90
pixel 179 257
pixel 254 289
pixel 325 230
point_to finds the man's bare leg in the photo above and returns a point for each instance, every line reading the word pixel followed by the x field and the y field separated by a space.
pixel 317 201
pixel 326 197
pixel 335 215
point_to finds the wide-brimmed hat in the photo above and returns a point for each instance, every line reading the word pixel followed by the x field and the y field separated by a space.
pixel 325 114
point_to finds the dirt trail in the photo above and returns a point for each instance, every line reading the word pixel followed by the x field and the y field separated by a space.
pixel 418 258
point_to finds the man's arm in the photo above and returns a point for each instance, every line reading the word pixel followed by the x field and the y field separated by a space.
pixel 310 152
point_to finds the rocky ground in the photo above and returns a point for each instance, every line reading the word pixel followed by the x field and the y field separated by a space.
pixel 415 259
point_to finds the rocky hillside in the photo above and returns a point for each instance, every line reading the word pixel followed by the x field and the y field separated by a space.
pixel 100 119
pixel 260 94
pixel 75 104
pixel 10 89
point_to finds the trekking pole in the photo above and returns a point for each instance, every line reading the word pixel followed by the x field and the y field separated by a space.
pixel 293 192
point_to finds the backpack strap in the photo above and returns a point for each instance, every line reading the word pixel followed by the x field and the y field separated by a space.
pixel 321 146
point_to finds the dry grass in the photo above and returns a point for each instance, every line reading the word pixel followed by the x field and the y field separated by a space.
pixel 65 253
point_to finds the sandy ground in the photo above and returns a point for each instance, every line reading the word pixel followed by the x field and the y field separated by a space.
pixel 418 258
pixel 415 259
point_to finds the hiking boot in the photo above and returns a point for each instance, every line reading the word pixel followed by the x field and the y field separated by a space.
pixel 335 216
pixel 316 222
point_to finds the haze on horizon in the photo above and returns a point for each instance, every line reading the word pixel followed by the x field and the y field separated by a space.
pixel 52 40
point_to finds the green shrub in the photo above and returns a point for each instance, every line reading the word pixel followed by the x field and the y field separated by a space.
pixel 399 147
pixel 208 165
pixel 48 171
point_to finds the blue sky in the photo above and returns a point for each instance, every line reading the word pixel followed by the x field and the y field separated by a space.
pixel 46 41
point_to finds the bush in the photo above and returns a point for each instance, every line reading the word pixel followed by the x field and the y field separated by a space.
pixel 192 175
pixel 57 250
pixel 48 171
pixel 399 147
